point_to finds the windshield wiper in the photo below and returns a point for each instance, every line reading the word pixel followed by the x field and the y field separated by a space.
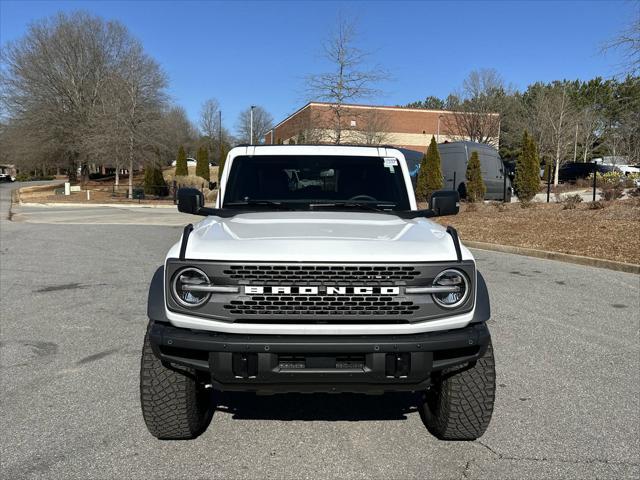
pixel 259 203
pixel 384 207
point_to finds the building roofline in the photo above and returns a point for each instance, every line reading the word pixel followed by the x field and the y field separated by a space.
pixel 391 107
pixel 371 107
pixel 292 115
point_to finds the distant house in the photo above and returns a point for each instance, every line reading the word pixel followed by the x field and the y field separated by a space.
pixel 410 128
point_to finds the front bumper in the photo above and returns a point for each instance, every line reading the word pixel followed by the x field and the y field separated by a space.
pixel 305 363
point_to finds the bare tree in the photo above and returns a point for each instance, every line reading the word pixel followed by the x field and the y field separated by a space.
pixel 348 81
pixel 142 84
pixel 628 41
pixel 83 89
pixel 262 123
pixel 477 106
pixel 589 124
pixel 210 123
pixel 557 119
pixel 177 130
pixel 55 76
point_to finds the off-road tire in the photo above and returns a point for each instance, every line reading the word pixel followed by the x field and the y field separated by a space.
pixel 175 405
pixel 460 403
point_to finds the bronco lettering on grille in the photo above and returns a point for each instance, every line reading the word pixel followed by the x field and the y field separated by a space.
pixel 286 290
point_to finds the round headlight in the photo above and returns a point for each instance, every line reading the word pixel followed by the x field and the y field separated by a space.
pixel 185 287
pixel 459 285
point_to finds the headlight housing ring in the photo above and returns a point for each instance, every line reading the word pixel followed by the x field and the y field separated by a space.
pixel 451 278
pixel 190 277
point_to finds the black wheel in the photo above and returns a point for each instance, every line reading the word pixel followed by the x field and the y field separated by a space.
pixel 175 404
pixel 460 403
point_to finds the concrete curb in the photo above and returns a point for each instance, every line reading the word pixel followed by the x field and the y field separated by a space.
pixel 561 257
pixel 36 188
pixel 92 205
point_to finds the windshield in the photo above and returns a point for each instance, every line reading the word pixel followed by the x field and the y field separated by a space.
pixel 304 182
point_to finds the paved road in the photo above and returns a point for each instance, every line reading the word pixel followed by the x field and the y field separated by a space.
pixel 73 317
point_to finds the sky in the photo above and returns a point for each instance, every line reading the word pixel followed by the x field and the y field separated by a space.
pixel 258 53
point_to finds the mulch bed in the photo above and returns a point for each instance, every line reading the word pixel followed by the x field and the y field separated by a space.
pixel 611 233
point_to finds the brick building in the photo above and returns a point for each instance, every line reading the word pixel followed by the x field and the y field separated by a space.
pixel 410 128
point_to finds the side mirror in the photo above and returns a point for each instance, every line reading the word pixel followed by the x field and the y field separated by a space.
pixel 190 200
pixel 445 202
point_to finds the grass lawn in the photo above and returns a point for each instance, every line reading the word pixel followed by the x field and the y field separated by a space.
pixel 611 233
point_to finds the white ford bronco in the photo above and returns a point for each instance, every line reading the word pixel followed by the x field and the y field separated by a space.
pixel 316 272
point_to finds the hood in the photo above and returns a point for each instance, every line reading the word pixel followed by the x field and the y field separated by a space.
pixel 319 237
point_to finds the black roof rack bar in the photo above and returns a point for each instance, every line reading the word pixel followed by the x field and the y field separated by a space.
pixel 456 242
pixel 185 239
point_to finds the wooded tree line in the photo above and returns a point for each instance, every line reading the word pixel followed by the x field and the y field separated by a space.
pixel 568 120
pixel 80 92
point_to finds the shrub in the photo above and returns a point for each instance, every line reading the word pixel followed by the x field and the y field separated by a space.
pixel 25 177
pixel 612 192
pixel 635 193
pixel 475 185
pixel 202 165
pixel 570 202
pixel 629 181
pixel 597 205
pixel 181 163
pixel 527 179
pixel 154 183
pixel 611 184
pixel 430 173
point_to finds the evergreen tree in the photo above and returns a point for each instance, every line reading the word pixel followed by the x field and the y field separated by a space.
pixel 421 182
pixel 430 173
pixel 181 163
pixel 434 168
pixel 475 185
pixel 527 181
pixel 154 182
pixel 202 165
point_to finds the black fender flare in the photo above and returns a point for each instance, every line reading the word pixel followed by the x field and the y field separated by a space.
pixel 482 313
pixel 155 301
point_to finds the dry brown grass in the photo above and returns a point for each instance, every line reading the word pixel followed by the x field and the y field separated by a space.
pixel 611 233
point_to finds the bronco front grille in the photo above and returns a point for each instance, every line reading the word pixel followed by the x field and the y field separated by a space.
pixel 321 305
pixel 342 293
pixel 319 274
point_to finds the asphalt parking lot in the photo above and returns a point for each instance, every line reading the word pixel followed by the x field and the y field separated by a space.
pixel 73 299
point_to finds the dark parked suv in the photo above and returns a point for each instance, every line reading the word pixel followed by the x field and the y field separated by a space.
pixel 572 171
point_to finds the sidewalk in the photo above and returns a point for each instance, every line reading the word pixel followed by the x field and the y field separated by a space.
pixel 105 214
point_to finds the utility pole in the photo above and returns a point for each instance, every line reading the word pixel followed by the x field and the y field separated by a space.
pixel 251 126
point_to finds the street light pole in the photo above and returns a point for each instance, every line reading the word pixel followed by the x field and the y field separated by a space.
pixel 251 127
